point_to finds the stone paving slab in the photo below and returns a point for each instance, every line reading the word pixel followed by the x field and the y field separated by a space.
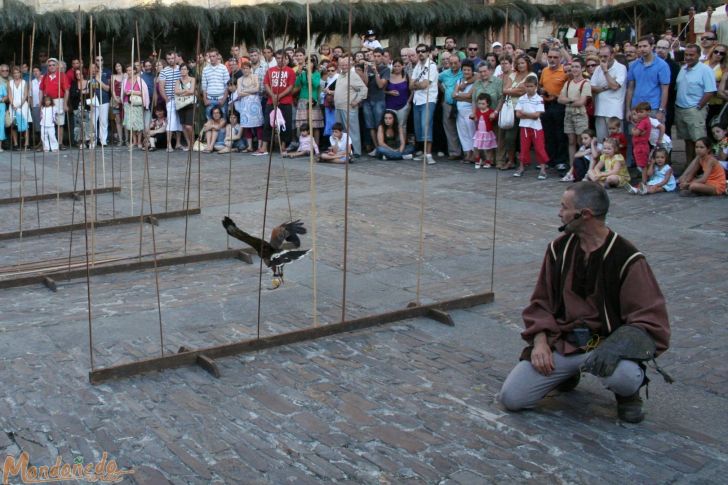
pixel 411 402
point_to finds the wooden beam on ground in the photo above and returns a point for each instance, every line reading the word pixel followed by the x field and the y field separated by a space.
pixel 73 194
pixel 440 316
pixel 41 231
pixel 171 361
pixel 43 278
pixel 207 364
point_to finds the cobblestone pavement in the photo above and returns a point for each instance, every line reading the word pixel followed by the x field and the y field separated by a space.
pixel 411 402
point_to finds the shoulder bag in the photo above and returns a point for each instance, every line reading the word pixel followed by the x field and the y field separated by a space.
pixel 507 116
pixel 181 102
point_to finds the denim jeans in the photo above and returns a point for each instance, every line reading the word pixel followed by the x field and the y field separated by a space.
pixel 422 115
pixel 216 102
pixel 373 112
pixel 394 154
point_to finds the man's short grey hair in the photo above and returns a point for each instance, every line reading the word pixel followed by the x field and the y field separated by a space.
pixel 592 196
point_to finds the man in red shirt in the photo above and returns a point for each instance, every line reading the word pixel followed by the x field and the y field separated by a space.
pixel 55 85
pixel 278 84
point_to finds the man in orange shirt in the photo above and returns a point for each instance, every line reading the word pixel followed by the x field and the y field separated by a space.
pixel 552 81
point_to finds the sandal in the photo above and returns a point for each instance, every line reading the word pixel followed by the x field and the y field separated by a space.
pixel 518 173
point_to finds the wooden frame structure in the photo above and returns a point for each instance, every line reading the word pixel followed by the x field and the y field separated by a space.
pixel 204 356
pixel 74 194
pixel 148 218
pixel 49 278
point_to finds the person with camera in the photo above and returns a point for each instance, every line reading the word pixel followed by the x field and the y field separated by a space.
pixel 374 105
pixel 597 308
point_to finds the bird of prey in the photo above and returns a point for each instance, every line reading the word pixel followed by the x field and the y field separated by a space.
pixel 273 254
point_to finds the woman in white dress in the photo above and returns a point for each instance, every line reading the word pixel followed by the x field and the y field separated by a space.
pixel 464 100
pixel 19 108
pixel 249 107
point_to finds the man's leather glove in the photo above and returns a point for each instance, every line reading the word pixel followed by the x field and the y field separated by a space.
pixel 627 342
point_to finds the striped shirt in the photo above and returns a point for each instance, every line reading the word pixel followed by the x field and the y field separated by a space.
pixel 170 75
pixel 214 79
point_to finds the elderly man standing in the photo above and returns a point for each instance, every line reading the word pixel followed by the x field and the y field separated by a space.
pixel 55 85
pixel 349 93
pixel 448 79
pixel 695 87
pixel 608 88
pixel 553 79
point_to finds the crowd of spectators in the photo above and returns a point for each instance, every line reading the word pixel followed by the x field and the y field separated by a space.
pixel 597 115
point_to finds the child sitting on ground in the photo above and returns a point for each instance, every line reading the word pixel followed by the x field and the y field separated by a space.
pixel 720 147
pixel 610 170
pixel 340 148
pixel 585 158
pixel 233 141
pixel 157 129
pixel 305 143
pixel 614 127
pixel 659 173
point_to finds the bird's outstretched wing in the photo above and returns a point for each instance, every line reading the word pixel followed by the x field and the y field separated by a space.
pixel 287 232
pixel 254 242
pixel 284 257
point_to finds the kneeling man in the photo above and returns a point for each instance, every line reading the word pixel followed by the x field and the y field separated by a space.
pixel 597 307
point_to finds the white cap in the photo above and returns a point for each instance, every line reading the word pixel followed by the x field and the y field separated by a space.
pixel 496 44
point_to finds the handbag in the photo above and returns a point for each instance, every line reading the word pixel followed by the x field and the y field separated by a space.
pixel 136 100
pixel 198 146
pixel 181 102
pixel 8 118
pixel 507 117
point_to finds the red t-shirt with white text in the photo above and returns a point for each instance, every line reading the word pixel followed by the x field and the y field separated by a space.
pixel 278 79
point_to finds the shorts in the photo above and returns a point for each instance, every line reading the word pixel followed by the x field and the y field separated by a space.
pixel 575 123
pixel 690 123
pixel 641 154
pixel 172 118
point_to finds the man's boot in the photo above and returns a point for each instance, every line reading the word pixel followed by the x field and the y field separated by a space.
pixel 629 408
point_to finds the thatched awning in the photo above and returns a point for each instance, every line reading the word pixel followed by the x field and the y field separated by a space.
pixel 654 10
pixel 435 17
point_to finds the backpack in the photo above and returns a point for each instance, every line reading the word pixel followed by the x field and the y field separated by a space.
pixel 589 100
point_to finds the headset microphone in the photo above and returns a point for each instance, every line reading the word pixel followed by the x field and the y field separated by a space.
pixel 576 216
